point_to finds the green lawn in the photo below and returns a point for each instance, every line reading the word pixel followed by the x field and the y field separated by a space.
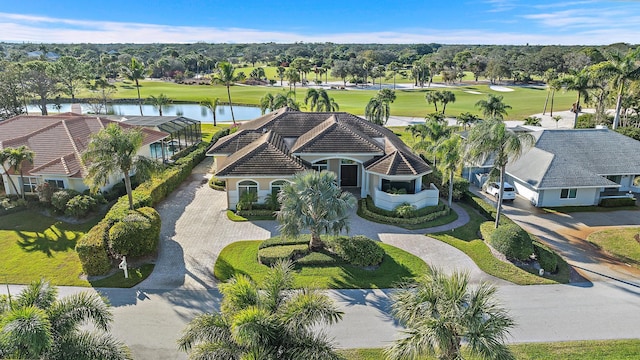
pixel 466 239
pixel 117 280
pixel 569 350
pixel 34 246
pixel 208 130
pixel 620 243
pixel 524 101
pixel 242 257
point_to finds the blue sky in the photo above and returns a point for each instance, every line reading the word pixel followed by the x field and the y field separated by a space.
pixel 379 21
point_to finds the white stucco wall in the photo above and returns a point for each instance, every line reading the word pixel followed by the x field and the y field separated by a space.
pixel 524 190
pixel 422 199
pixel 584 197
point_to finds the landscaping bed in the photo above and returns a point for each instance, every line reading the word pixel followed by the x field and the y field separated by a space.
pixel 412 219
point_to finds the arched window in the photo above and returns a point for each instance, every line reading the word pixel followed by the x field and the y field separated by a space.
pixel 277 185
pixel 247 186
pixel 320 165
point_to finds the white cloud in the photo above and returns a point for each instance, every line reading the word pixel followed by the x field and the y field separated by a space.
pixel 26 28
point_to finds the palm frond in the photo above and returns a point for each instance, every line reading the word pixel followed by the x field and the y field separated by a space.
pixel 71 311
pixel 90 346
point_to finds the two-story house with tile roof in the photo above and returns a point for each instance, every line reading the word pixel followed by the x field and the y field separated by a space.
pixel 263 154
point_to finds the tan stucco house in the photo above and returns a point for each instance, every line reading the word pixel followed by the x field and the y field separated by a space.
pixel 263 154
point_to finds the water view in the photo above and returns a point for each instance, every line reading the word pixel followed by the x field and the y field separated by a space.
pixel 191 111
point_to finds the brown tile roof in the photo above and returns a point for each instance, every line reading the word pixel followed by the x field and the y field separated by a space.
pixel 319 132
pixel 266 156
pixel 58 140
pixel 331 136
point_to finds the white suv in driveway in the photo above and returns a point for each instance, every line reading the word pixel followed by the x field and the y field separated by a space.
pixel 493 188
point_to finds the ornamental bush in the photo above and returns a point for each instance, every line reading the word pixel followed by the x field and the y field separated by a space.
pixel 512 241
pixel 80 205
pixel 60 198
pixel 92 250
pixel 270 255
pixel 405 210
pixel 137 234
pixel 357 250
pixel 547 259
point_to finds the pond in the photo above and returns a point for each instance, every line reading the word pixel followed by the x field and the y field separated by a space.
pixel 191 111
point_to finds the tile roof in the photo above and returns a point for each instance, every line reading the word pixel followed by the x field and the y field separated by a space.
pixel 266 156
pixel 318 132
pixel 577 158
pixel 58 140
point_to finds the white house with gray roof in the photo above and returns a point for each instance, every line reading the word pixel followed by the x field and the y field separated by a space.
pixel 576 167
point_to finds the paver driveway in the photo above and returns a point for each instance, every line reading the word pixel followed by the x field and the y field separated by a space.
pixel 195 229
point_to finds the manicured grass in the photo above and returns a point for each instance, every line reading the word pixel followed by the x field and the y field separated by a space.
pixel 466 239
pixel 524 101
pixel 619 243
pixel 117 280
pixel 33 246
pixel 241 257
pixel 572 209
pixel 208 130
pixel 569 350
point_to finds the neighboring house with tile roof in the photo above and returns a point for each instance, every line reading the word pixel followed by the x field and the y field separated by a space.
pixel 263 154
pixel 58 142
pixel 575 167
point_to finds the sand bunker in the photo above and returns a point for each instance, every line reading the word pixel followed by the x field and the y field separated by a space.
pixel 500 88
pixel 473 92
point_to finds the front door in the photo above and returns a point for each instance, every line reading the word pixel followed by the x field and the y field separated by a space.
pixel 348 175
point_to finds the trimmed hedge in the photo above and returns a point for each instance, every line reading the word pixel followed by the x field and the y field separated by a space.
pixel 217 184
pixel 318 259
pixel 366 212
pixel 392 213
pixel 512 241
pixel 256 213
pixel 92 249
pixel 137 234
pixel 485 209
pixel 547 259
pixel 279 241
pixel 618 202
pixel 270 255
pixel 357 250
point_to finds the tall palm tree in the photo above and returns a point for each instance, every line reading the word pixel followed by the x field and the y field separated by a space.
pixel 292 77
pixel 263 322
pixel 623 69
pixel 555 85
pixel 159 102
pixel 226 76
pixel 439 311
pixel 288 99
pixel 320 101
pixel 212 105
pixel 447 97
pixel 135 71
pixel 580 82
pixel 431 132
pixel 113 150
pixel 433 97
pixel 266 102
pixel 5 155
pixel 449 153
pixel 280 71
pixel 377 111
pixel 315 202
pixel 493 107
pixel 492 138
pixel 16 157
pixel 38 325
pixel 549 76
pixel 467 119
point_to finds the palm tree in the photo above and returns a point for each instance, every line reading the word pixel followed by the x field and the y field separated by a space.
pixel 557 118
pixel 377 111
pixel 212 105
pixel 315 202
pixel 114 150
pixel 134 72
pixel 549 76
pixel 449 152
pixel 532 121
pixel 159 101
pixel 433 97
pixel 581 83
pixel 431 132
pixel 263 322
pixel 320 101
pixel 227 77
pixel 493 107
pixel 439 311
pixel 447 97
pixel 266 102
pixel 38 325
pixel 288 99
pixel 622 69
pixel 5 155
pixel 467 119
pixel 492 138
pixel 280 71
pixel 555 86
pixel 292 77
pixel 16 156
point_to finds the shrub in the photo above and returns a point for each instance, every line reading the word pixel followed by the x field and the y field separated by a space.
pixel 217 184
pixel 368 202
pixel 618 202
pixel 405 210
pixel 318 259
pixel 45 192
pixel 92 250
pixel 278 241
pixel 512 241
pixel 270 255
pixel 366 212
pixel 485 209
pixel 60 198
pixel 136 234
pixel 547 259
pixel 460 187
pixel 357 250
pixel 80 205
pixel 247 199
